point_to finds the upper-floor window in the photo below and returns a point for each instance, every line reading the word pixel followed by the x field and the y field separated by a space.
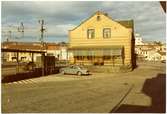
pixel 107 33
pixel 91 33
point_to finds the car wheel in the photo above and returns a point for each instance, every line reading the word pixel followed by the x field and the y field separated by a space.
pixel 79 73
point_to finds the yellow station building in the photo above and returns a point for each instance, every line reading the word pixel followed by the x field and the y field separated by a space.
pixel 100 40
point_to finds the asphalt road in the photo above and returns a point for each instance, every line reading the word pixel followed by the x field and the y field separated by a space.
pixel 135 91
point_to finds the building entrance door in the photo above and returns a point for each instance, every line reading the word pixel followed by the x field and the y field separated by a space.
pixel 98 61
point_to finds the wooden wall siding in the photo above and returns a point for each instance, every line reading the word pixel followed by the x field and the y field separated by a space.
pixel 120 35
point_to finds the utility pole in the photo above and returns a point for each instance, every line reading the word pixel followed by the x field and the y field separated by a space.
pixel 9 36
pixel 21 29
pixel 42 30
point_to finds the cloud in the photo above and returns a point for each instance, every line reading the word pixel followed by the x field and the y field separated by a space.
pixel 59 30
pixel 61 16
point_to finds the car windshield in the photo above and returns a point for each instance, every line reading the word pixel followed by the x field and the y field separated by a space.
pixel 81 67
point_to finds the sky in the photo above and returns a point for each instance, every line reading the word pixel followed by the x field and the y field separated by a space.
pixel 61 16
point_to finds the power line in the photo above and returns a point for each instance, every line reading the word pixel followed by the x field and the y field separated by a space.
pixel 17 32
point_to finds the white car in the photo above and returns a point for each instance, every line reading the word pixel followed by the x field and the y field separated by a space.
pixel 74 69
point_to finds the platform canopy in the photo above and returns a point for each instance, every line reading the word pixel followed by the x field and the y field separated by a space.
pixel 21 50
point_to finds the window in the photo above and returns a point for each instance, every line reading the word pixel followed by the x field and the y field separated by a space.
pixel 89 57
pixel 75 67
pixel 91 33
pixel 79 58
pixel 106 57
pixel 106 33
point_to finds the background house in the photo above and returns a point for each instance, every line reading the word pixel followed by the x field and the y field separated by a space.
pixel 151 51
pixel 138 39
pixel 59 50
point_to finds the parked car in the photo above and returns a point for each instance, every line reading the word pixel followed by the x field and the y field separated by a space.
pixel 74 69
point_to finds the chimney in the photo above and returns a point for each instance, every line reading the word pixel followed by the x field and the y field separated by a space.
pixel 98 12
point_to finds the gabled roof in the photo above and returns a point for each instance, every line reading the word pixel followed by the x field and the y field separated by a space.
pixel 125 23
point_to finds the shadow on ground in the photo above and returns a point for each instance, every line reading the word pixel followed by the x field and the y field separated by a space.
pixel 20 76
pixel 27 75
pixel 155 88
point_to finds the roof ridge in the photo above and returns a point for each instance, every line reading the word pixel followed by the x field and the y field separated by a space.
pixel 106 14
pixel 97 12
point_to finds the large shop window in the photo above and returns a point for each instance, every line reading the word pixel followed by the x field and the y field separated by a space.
pixel 107 57
pixel 91 33
pixel 79 57
pixel 107 33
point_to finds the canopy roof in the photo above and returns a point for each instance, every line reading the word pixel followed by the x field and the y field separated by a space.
pixel 97 51
pixel 96 47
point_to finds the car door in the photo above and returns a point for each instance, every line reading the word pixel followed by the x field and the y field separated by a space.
pixel 69 70
pixel 75 70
